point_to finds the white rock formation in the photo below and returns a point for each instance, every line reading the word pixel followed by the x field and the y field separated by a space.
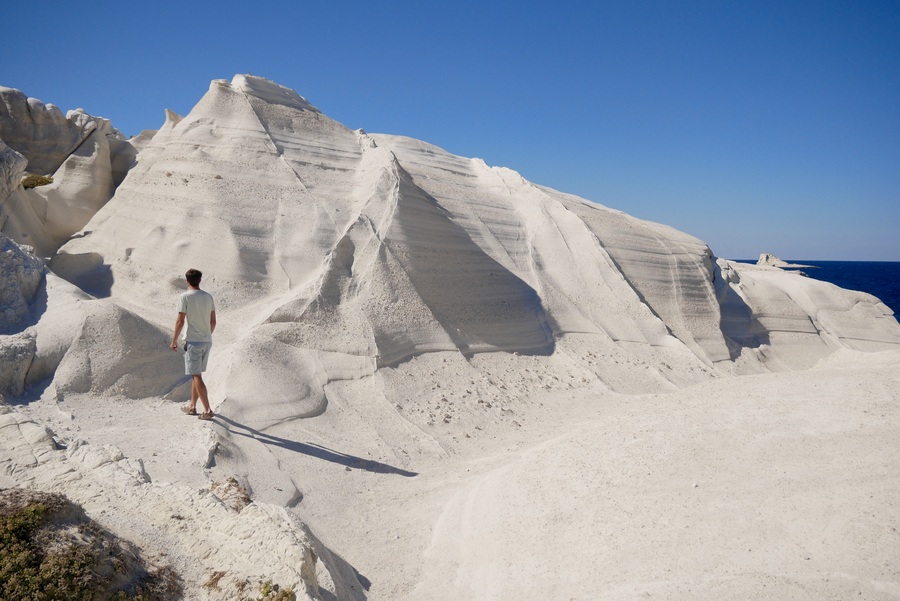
pixel 85 155
pixel 12 166
pixel 796 320
pixel 18 219
pixel 81 186
pixel 384 306
pixel 206 533
pixel 403 249
pixel 770 260
pixel 39 131
pixel 335 254
pixel 20 275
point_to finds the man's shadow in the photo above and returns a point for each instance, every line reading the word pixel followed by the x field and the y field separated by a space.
pixel 313 450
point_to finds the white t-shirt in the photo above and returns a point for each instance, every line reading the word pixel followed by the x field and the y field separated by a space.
pixel 197 305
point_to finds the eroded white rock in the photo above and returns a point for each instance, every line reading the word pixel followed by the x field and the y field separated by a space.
pixel 198 532
pixel 20 276
pixel 85 155
pixel 12 166
pixel 40 132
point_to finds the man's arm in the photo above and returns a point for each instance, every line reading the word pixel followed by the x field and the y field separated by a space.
pixel 179 323
pixel 212 322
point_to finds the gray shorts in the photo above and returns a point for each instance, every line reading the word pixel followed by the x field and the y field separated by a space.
pixel 196 356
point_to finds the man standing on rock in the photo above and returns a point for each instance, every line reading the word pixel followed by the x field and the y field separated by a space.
pixel 198 308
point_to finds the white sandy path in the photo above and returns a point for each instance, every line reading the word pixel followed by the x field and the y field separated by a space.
pixel 776 486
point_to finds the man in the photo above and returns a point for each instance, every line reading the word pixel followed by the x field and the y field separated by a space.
pixel 197 307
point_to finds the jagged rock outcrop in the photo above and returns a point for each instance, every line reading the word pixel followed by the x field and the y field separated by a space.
pixel 770 260
pixel 85 155
pixel 12 166
pixel 20 277
pixel 40 132
pixel 46 137
pixel 81 186
pixel 21 274
pixel 18 219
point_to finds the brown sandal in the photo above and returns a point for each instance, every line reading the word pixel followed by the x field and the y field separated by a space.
pixel 206 416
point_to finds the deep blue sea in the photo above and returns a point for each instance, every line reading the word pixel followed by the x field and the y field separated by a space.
pixel 880 278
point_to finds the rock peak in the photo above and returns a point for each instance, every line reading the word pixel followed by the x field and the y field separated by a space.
pixel 267 90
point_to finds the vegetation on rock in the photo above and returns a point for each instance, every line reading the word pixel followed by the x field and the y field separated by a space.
pixel 33 180
pixel 273 592
pixel 49 549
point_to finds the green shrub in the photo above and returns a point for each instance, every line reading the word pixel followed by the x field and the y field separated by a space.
pixel 33 180
pixel 28 572
pixel 272 592
pixel 50 550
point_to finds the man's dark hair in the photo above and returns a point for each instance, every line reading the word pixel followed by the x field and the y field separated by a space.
pixel 193 277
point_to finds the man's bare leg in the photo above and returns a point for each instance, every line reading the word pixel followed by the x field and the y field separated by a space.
pixel 198 390
pixel 195 394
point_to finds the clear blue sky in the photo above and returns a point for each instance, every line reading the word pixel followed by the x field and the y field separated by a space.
pixel 756 126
